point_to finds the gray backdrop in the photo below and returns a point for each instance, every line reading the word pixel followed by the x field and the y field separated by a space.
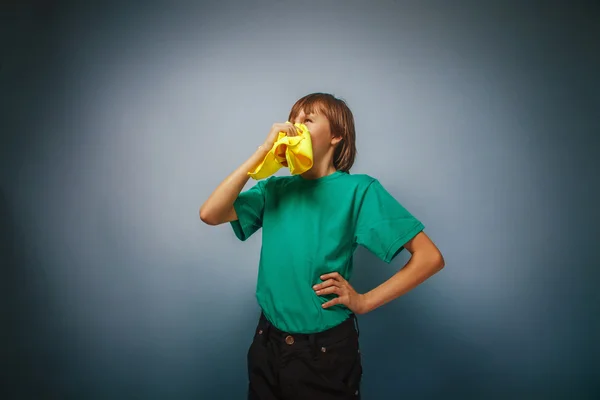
pixel 118 121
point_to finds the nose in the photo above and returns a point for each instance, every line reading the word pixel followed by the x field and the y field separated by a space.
pixel 299 118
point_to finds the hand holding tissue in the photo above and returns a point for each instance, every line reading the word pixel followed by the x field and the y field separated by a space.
pixel 294 152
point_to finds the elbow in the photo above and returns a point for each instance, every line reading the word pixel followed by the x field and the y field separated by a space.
pixel 433 259
pixel 207 217
pixel 213 216
pixel 438 261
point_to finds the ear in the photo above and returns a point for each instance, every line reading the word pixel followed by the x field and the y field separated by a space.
pixel 335 140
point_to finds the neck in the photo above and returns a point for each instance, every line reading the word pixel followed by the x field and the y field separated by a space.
pixel 319 171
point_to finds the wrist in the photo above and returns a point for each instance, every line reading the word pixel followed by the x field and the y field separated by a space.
pixel 365 303
pixel 266 146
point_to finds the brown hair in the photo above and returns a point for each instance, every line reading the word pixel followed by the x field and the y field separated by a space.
pixel 341 123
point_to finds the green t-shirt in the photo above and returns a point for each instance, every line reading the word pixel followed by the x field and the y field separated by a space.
pixel 312 227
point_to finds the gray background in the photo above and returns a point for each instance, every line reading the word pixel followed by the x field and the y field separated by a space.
pixel 118 121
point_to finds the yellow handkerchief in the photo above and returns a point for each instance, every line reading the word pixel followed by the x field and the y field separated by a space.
pixel 294 152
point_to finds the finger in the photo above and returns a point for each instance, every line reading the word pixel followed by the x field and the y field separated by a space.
pixel 327 283
pixel 285 129
pixel 292 131
pixel 282 127
pixel 333 302
pixel 329 290
pixel 297 131
pixel 332 275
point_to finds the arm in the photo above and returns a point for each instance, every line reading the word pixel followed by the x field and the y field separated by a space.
pixel 425 261
pixel 218 208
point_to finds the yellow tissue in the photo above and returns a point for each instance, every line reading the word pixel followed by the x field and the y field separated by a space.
pixel 294 152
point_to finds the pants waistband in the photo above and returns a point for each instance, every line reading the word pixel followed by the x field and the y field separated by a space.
pixel 346 328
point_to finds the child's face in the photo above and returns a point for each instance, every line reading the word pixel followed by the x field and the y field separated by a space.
pixel 320 131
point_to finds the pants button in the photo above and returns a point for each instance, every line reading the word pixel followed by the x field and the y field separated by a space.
pixel 289 340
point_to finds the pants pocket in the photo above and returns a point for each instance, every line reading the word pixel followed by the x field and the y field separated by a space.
pixel 341 362
pixel 255 351
pixel 355 377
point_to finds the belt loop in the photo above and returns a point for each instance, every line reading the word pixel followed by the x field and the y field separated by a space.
pixel 313 344
pixel 266 327
pixel 356 325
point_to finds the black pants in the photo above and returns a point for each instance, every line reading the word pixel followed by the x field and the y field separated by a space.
pixel 321 366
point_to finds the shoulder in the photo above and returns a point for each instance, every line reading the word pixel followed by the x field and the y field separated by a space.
pixel 363 179
pixel 369 188
pixel 359 181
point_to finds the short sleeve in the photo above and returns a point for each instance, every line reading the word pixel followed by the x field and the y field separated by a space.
pixel 383 225
pixel 249 207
